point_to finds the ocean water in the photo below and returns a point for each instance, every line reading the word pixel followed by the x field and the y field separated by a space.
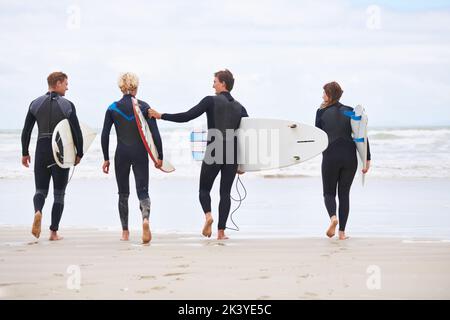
pixel 396 153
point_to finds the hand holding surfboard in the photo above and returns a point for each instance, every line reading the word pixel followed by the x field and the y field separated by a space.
pixel 147 139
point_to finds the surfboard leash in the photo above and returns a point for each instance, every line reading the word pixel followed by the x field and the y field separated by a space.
pixel 238 181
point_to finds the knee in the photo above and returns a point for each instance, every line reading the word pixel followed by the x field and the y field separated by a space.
pixel 59 196
pixel 142 194
pixel 41 193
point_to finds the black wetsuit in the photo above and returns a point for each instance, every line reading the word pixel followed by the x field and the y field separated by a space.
pixel 223 113
pixel 48 110
pixel 130 153
pixel 339 162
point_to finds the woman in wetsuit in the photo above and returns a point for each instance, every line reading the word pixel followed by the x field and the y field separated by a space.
pixel 339 162
pixel 130 152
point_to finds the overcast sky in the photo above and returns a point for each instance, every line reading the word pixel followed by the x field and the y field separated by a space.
pixel 391 56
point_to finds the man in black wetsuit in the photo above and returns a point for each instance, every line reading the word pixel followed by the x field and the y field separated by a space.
pixel 224 116
pixel 130 152
pixel 48 110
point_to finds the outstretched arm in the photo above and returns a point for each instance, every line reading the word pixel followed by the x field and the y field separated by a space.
pixel 192 113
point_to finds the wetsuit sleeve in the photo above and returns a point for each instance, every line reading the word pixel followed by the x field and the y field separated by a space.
pixel 368 150
pixel 192 113
pixel 154 130
pixel 107 124
pixel 30 120
pixel 244 112
pixel 318 124
pixel 76 131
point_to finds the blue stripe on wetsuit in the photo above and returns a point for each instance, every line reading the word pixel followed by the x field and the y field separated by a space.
pixel 113 107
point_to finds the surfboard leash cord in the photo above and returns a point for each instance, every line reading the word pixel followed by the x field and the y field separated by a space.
pixel 238 181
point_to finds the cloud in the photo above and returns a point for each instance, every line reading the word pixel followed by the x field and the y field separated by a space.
pixel 281 52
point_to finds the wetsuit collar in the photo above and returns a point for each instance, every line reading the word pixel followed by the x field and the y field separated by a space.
pixel 227 94
pixel 128 95
pixel 52 94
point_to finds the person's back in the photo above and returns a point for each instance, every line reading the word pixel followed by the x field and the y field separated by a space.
pixel 130 151
pixel 224 114
pixel 339 162
pixel 338 127
pixel 48 110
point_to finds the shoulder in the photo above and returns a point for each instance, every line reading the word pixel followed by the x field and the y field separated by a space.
pixel 345 108
pixel 112 106
pixel 36 103
pixel 65 103
pixel 144 105
pixel 208 99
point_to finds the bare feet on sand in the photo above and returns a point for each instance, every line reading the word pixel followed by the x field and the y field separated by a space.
pixel 125 235
pixel 207 228
pixel 146 234
pixel 332 228
pixel 36 229
pixel 221 235
pixel 342 235
pixel 54 236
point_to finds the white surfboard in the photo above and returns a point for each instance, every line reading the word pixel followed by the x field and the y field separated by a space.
pixel 359 127
pixel 147 139
pixel 265 144
pixel 64 150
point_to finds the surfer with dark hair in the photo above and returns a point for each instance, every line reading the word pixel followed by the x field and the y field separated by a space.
pixel 223 113
pixel 339 162
pixel 48 110
pixel 130 152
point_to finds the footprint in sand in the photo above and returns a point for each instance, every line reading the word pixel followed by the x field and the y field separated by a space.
pixel 58 275
pixel 264 277
pixel 177 257
pixel 263 298
pixel 179 279
pixel 143 291
pixel 305 276
pixel 311 294
pixel 146 277
pixel 158 288
pixel 174 274
pixel 183 266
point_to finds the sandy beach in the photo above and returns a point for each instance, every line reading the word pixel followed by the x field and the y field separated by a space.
pixel 177 266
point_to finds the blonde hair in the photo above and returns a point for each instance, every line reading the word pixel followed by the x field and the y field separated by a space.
pixel 128 82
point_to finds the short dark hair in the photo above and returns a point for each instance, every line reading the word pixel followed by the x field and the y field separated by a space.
pixel 227 77
pixel 333 91
pixel 54 77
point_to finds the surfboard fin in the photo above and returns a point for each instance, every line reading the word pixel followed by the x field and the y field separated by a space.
pixel 293 126
pixel 297 158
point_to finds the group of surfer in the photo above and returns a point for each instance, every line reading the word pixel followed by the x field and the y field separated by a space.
pixel 223 113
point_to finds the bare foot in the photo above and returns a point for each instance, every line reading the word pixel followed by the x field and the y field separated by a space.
pixel 221 235
pixel 125 235
pixel 342 235
pixel 36 229
pixel 332 228
pixel 146 234
pixel 54 236
pixel 207 228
